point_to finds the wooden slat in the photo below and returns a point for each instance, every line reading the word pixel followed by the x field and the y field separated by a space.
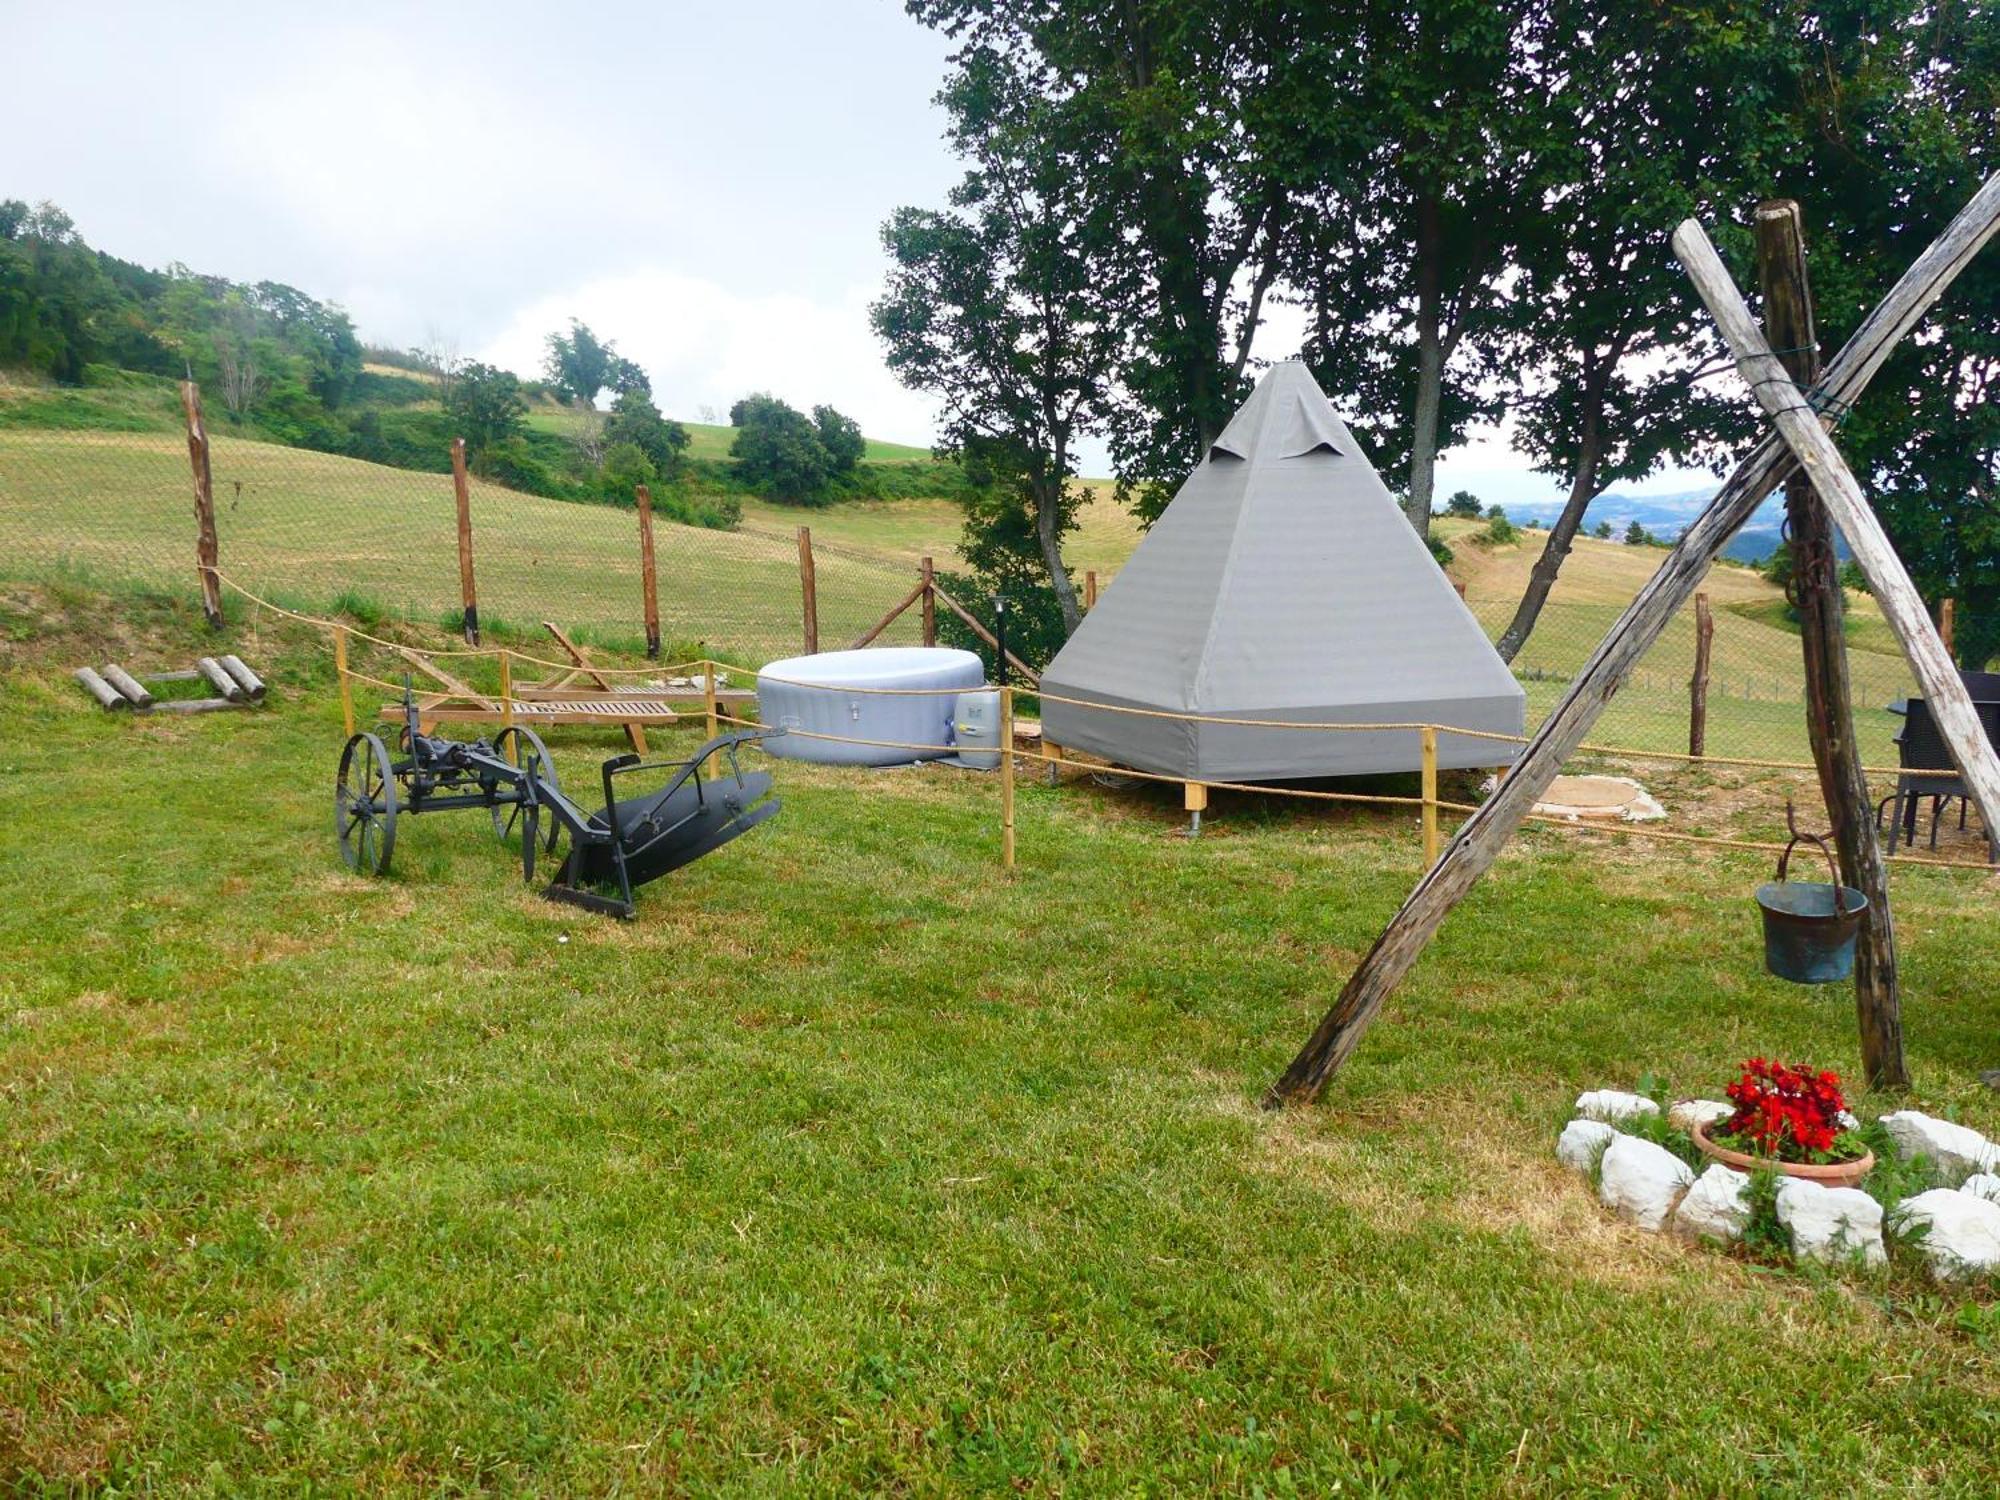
pixel 986 635
pixel 633 732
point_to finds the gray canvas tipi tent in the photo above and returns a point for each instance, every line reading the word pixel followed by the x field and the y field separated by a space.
pixel 1282 582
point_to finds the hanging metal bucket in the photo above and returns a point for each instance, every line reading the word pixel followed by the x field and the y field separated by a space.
pixel 1809 928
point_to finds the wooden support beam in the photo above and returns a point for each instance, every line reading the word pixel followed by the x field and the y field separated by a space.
pixel 649 579
pixel 1948 626
pixel 1850 810
pixel 808 590
pixel 1481 838
pixel 889 619
pixel 207 550
pixel 1704 643
pixel 1090 588
pixel 468 592
pixel 1428 741
pixel 987 636
pixel 708 696
pixel 1798 423
pixel 451 684
pixel 930 602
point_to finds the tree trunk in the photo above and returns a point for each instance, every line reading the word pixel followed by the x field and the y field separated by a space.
pixel 1430 368
pixel 1048 510
pixel 1582 490
pixel 1788 323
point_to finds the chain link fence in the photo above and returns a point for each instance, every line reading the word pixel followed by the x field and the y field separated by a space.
pixel 321 533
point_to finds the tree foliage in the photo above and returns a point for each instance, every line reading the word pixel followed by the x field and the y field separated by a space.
pixel 777 450
pixel 579 365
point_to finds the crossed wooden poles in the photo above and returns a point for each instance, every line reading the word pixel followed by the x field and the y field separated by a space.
pixel 1800 441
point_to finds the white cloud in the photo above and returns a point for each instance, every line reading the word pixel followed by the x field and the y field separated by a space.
pixel 703 344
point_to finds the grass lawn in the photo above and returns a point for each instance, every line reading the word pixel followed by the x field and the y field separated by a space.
pixel 851 1165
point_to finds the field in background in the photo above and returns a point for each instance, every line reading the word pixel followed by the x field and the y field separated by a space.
pixel 312 530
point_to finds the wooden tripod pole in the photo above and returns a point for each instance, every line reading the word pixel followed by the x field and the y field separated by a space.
pixel 1788 323
pixel 1481 838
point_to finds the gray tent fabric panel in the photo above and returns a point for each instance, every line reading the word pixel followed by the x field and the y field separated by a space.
pixel 1282 582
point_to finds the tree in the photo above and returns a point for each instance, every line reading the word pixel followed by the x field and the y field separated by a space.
pixel 1169 116
pixel 236 356
pixel 1465 505
pixel 579 365
pixel 841 438
pixel 1646 126
pixel 777 450
pixel 1637 536
pixel 1602 531
pixel 1496 512
pixel 486 406
pixel 1000 307
pixel 634 419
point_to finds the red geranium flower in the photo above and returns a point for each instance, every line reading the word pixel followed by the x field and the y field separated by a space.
pixel 1791 1111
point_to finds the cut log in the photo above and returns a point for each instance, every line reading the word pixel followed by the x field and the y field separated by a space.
pixel 106 695
pixel 1800 426
pixel 249 681
pixel 1480 839
pixel 221 681
pixel 192 705
pixel 135 692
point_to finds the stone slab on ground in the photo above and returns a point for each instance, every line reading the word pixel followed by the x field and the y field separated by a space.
pixel 1956 1151
pixel 1613 1106
pixel 1582 1143
pixel 1831 1224
pixel 1961 1231
pixel 1642 1181
pixel 1717 1207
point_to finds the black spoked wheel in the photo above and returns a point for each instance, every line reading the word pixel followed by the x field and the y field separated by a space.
pixel 539 828
pixel 364 806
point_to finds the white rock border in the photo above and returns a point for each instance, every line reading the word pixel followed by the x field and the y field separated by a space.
pixel 1957 1228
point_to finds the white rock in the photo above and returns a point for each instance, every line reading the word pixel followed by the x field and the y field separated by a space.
pixel 1717 1207
pixel 1982 1185
pixel 1847 1120
pixel 1582 1143
pixel 1956 1151
pixel 1685 1114
pixel 1642 1181
pixel 1613 1106
pixel 1831 1224
pixel 1963 1231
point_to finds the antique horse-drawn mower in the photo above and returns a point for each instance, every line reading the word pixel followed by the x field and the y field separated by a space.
pixel 622 845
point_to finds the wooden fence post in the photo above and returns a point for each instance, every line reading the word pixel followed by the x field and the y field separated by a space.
pixel 1948 626
pixel 649 580
pixel 1704 642
pixel 507 691
pixel 346 687
pixel 930 603
pixel 462 491
pixel 207 551
pixel 708 696
pixel 1006 778
pixel 1090 588
pixel 808 590
pixel 1430 752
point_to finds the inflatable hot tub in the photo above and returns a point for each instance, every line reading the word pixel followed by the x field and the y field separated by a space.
pixel 825 695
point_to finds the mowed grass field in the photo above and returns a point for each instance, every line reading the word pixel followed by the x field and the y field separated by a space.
pixel 309 528
pixel 853 1166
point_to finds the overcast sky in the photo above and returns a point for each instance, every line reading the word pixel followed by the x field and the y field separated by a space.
pixel 702 183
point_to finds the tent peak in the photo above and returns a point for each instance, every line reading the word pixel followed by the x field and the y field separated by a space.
pixel 1286 416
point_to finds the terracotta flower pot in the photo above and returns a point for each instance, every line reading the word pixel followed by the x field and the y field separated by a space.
pixel 1833 1174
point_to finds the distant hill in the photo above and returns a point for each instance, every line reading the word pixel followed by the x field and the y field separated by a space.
pixel 1666 516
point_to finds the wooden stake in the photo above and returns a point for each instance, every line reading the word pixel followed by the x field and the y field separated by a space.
pixel 649 581
pixel 1090 588
pixel 1429 739
pixel 346 687
pixel 1789 325
pixel 506 689
pixel 1948 626
pixel 1479 842
pixel 808 590
pixel 1799 425
pixel 1006 778
pixel 207 551
pixel 971 623
pixel 708 696
pixel 468 594
pixel 889 619
pixel 930 602
pixel 1704 641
